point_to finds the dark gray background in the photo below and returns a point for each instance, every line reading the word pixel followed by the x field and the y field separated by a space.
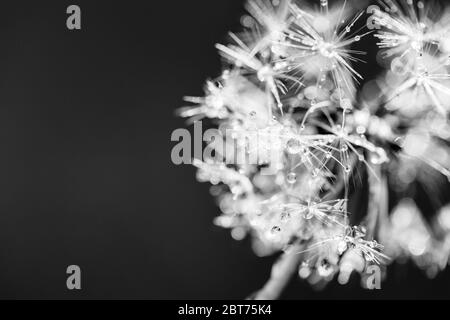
pixel 85 170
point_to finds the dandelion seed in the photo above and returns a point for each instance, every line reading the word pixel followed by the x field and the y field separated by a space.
pixel 313 44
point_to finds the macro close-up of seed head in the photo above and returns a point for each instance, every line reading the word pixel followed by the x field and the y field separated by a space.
pixel 334 172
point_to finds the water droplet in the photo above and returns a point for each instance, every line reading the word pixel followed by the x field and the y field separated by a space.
pixel 304 272
pixel 347 29
pixel 236 189
pixel 247 21
pixel 291 178
pixel 293 146
pixel 361 130
pixel 344 148
pixel 275 230
pixel 315 172
pixel 328 155
pixel 310 92
pixel 347 169
pixel 308 214
pixel 357 38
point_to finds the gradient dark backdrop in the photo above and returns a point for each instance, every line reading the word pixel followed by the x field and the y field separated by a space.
pixel 85 170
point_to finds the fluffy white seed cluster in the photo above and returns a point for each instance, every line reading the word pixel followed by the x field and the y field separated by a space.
pixel 313 142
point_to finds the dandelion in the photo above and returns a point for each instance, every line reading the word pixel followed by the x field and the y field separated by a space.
pixel 309 141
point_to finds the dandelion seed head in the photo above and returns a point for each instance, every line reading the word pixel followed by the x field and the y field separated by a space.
pixel 288 101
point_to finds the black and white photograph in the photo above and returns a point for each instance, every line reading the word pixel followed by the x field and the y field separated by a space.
pixel 222 155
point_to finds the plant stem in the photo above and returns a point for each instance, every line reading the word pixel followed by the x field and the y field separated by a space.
pixel 282 271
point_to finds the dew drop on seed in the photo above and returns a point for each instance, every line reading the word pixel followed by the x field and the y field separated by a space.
pixel 308 214
pixel 275 229
pixel 293 146
pixel 304 272
pixel 291 178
